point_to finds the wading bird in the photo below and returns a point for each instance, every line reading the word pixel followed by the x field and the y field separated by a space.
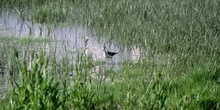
pixel 108 54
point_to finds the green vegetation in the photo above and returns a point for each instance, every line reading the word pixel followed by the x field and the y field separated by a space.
pixel 45 15
pixel 186 30
pixel 47 85
pixel 23 40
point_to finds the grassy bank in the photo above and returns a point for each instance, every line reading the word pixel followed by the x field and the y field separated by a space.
pixel 187 30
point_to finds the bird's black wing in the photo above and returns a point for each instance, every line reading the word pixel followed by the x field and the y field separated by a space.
pixel 112 53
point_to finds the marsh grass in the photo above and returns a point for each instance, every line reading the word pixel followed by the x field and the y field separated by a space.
pixel 48 15
pixel 47 85
pixel 7 43
pixel 186 30
pixel 23 40
pixel 40 85
pixel 34 87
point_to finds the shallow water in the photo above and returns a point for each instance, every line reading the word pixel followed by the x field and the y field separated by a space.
pixel 70 39
pixel 68 42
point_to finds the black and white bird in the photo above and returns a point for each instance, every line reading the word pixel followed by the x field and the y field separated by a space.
pixel 109 54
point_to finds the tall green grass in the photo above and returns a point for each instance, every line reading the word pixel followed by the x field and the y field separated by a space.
pixel 186 30
pixel 133 87
pixel 41 81
pixel 37 87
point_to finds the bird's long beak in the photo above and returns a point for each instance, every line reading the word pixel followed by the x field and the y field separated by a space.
pixel 104 47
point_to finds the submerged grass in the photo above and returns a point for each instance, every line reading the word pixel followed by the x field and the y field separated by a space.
pixel 187 30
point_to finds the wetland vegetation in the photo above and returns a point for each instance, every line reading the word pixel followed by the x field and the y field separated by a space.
pixel 185 30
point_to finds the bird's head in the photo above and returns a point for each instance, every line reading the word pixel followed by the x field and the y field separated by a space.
pixel 104 48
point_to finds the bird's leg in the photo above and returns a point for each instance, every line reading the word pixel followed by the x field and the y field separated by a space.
pixel 112 61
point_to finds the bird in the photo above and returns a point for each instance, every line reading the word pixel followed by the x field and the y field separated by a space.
pixel 108 54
